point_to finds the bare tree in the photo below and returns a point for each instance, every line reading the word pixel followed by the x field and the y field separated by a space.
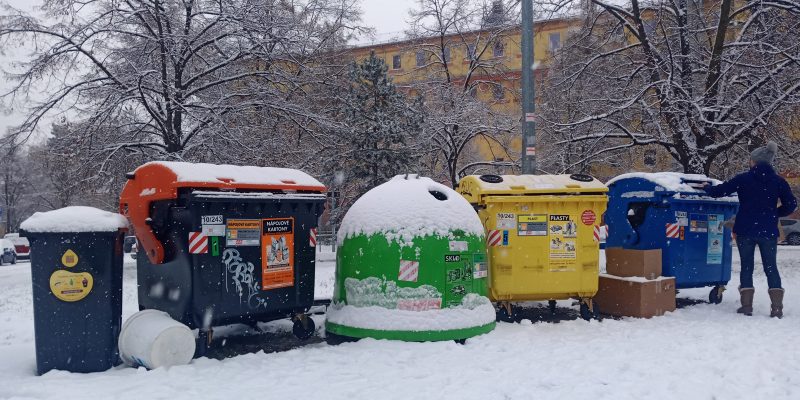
pixel 16 188
pixel 64 172
pixel 172 76
pixel 695 78
pixel 455 118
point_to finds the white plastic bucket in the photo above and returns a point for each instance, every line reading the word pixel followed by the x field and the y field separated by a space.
pixel 152 339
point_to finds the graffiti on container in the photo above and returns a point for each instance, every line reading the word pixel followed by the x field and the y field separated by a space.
pixel 243 276
pixel 373 291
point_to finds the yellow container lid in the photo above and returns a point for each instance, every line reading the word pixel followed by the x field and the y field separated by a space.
pixel 473 187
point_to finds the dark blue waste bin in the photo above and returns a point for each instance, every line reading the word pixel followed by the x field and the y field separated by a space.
pixel 76 271
pixel 670 211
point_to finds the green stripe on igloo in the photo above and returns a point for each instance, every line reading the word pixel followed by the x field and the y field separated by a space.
pixel 409 336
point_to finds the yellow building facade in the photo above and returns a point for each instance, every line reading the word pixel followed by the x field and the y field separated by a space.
pixel 409 62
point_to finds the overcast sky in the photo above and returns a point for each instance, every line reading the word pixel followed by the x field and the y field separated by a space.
pixel 388 17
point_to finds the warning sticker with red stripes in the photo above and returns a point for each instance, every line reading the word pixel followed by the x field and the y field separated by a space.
pixel 312 237
pixel 409 271
pixel 494 238
pixel 673 231
pixel 198 243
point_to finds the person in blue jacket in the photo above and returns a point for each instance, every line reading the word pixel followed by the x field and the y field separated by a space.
pixel 760 190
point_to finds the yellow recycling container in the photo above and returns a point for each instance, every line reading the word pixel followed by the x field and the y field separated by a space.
pixel 542 235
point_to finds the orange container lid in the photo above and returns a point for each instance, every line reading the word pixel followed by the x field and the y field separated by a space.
pixel 161 180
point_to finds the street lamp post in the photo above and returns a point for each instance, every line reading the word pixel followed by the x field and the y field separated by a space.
pixel 528 91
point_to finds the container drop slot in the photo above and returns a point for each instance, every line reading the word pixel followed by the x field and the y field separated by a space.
pixel 581 177
pixel 438 195
pixel 637 212
pixel 491 178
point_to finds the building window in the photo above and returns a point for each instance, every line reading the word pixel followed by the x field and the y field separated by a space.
pixel 420 58
pixel 446 53
pixel 650 157
pixel 555 41
pixel 498 91
pixel 470 52
pixel 396 62
pixel 498 49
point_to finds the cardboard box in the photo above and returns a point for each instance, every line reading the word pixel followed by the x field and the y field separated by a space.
pixel 635 297
pixel 631 263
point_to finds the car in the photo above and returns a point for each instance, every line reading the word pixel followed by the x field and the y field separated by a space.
pixel 791 230
pixel 7 252
pixel 127 245
pixel 134 249
pixel 21 245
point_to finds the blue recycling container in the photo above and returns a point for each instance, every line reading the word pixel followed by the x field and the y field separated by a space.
pixel 671 212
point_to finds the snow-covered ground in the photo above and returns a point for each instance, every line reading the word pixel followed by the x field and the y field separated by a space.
pixel 699 352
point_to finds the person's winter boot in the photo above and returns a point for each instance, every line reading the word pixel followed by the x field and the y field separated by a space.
pixel 746 295
pixel 776 296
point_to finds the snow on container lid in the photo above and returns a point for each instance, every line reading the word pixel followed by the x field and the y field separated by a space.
pixel 473 186
pixel 75 219
pixel 408 206
pixel 237 175
pixel 670 181
pixel 161 180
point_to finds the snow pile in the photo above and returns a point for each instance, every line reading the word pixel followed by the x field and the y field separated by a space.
pixel 408 206
pixel 75 219
pixel 707 346
pixel 474 311
pixel 731 199
pixel 640 194
pixel 670 181
pixel 639 279
pixel 212 173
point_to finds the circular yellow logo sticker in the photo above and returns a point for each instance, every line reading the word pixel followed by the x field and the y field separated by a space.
pixel 71 286
pixel 69 259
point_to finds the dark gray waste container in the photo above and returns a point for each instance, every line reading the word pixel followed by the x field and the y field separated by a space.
pixel 76 270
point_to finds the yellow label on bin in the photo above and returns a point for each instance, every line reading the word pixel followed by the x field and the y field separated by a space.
pixel 69 259
pixel 532 218
pixel 71 286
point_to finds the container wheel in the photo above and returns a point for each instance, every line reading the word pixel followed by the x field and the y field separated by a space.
pixel 715 296
pixel 303 327
pixel 461 341
pixel 506 313
pixel 587 313
pixel 551 305
pixel 596 311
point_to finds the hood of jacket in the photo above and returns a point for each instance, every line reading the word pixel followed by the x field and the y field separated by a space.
pixel 762 171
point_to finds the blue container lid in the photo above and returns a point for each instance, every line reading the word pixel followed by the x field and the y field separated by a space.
pixel 665 184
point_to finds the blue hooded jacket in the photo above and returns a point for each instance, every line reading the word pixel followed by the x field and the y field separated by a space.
pixel 759 190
